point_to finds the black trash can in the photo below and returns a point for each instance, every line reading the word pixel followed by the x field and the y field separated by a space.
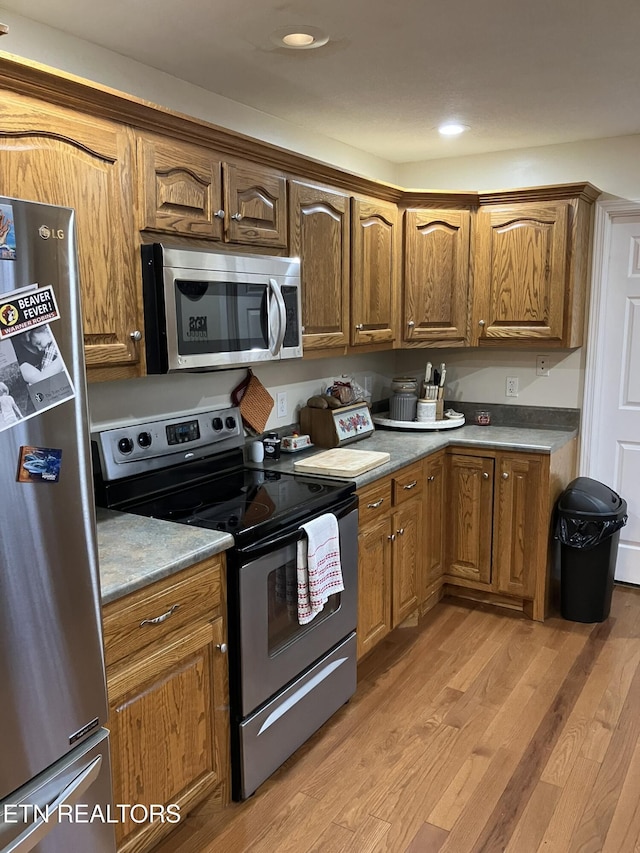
pixel 589 516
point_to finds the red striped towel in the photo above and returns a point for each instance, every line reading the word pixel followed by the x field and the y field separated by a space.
pixel 318 566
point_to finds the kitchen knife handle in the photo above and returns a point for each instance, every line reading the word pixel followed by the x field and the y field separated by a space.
pixel 158 619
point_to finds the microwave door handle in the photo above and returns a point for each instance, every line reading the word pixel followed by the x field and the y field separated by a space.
pixel 274 287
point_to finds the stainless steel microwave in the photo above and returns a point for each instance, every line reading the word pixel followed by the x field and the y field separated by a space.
pixel 208 310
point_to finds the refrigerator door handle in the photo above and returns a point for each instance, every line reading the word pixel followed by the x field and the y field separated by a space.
pixel 36 831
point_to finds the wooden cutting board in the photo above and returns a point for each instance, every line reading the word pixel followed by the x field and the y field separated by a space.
pixel 341 462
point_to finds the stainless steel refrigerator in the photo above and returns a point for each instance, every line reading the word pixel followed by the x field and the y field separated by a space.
pixel 55 779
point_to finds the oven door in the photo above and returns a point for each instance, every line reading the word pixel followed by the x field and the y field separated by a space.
pixel 274 647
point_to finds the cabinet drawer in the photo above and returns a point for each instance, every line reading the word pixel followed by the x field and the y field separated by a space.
pixel 149 614
pixel 375 501
pixel 407 483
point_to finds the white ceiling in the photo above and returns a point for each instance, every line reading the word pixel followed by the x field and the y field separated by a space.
pixel 519 73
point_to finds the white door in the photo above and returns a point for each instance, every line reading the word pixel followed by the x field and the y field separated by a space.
pixel 611 442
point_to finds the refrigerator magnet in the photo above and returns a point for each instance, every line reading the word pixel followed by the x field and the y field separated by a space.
pixel 39 464
pixel 7 233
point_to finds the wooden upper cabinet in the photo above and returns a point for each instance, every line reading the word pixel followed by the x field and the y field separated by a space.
pixel 180 189
pixel 520 282
pixel 436 276
pixel 256 205
pixel 319 221
pixel 374 271
pixel 51 155
pixel 188 191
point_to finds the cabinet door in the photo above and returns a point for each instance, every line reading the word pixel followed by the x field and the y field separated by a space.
pixel 520 273
pixel 374 584
pixel 521 524
pixel 470 518
pixel 169 729
pixel 256 205
pixel 180 188
pixel 374 279
pixel 49 155
pixel 436 276
pixel 319 219
pixel 406 559
pixel 434 475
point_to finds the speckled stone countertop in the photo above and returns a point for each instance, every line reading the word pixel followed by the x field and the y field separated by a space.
pixel 406 446
pixel 134 551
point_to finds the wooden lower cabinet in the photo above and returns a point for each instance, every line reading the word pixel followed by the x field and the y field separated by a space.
pixel 433 539
pixel 500 508
pixel 168 706
pixel 389 554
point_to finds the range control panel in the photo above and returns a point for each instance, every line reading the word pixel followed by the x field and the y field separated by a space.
pixel 156 444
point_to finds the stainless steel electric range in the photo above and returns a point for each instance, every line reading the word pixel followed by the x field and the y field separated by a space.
pixel 285 679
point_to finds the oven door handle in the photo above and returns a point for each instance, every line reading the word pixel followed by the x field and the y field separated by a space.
pixel 294 534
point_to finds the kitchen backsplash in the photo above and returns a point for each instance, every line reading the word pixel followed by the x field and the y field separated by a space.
pixel 472 375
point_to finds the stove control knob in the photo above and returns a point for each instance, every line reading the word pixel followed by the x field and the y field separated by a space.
pixel 144 439
pixel 216 423
pixel 125 445
pixel 230 422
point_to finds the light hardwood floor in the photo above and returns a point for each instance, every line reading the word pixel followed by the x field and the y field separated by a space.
pixel 476 731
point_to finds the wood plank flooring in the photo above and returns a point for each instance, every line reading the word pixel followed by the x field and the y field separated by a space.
pixel 475 731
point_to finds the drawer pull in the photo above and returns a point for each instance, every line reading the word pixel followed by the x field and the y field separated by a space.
pixel 375 504
pixel 158 619
pixel 411 485
pixel 222 647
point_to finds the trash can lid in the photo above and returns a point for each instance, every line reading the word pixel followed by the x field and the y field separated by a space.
pixel 585 498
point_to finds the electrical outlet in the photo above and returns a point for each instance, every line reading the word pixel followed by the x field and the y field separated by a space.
pixel 542 365
pixel 511 389
pixel 282 404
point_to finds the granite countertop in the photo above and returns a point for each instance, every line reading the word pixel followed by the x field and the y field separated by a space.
pixel 407 446
pixel 134 551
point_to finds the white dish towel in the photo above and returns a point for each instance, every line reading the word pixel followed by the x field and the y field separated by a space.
pixel 318 565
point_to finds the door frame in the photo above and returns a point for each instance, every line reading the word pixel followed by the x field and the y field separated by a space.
pixel 607 213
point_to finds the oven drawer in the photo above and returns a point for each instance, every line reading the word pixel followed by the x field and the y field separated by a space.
pixel 274 732
pixel 147 615
pixel 407 483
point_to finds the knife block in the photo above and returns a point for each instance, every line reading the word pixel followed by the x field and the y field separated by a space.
pixel 336 427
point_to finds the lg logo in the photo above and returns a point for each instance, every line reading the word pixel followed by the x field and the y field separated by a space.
pixel 55 234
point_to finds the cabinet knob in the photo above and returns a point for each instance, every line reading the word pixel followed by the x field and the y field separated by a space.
pixel 485 475
pixel 400 532
pixel 236 216
pixel 359 327
pixel 392 537
pixel 505 475
pixel 410 323
pixel 222 647
pixel 219 214
pixel 481 323
pixel 136 335
pixel 431 478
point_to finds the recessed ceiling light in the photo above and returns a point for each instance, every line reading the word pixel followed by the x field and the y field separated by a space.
pixel 299 38
pixel 452 128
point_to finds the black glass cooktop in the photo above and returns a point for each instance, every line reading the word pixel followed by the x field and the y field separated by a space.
pixel 247 503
